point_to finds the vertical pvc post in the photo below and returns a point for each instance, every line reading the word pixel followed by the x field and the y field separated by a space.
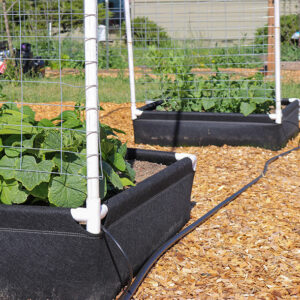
pixel 107 32
pixel 271 39
pixel 93 203
pixel 277 62
pixel 130 59
pixel 50 29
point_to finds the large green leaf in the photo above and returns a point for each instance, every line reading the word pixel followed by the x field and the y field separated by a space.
pixel 103 188
pixel 14 141
pixel 8 166
pixel 130 171
pixel 65 115
pixel 70 163
pixel 15 115
pixel 13 127
pixel 67 191
pixel 123 150
pixel 34 173
pixel 15 122
pixel 126 182
pixel 45 123
pixel 118 161
pixel 72 123
pixel 247 108
pixel 11 143
pixel 52 141
pixel 29 112
pixel 12 193
pixel 208 103
pixel 112 175
pixel 106 148
pixel 41 191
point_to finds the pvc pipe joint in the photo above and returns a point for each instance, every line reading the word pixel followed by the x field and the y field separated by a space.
pixel 192 157
pixel 135 113
pixel 81 214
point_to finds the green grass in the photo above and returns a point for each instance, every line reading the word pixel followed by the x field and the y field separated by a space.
pixel 111 89
pixel 290 90
pixel 47 90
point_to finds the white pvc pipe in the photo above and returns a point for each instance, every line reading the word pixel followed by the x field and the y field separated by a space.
pixel 134 111
pixel 50 29
pixel 93 203
pixel 192 157
pixel 278 112
pixel 81 214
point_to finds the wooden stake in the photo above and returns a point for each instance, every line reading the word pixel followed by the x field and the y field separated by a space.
pixel 271 39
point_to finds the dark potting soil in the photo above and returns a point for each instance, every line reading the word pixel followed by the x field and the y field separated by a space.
pixel 145 169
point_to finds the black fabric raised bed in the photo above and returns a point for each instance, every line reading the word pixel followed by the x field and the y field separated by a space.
pixel 203 129
pixel 45 254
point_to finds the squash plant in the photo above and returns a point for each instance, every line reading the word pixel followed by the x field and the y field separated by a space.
pixel 44 162
pixel 182 90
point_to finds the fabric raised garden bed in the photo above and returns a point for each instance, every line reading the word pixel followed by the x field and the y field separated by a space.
pixel 45 254
pixel 205 128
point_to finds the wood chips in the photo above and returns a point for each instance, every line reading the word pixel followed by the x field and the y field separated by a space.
pixel 248 250
pixel 251 248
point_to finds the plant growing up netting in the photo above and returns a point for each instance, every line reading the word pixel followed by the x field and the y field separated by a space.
pixel 206 56
pixel 50 135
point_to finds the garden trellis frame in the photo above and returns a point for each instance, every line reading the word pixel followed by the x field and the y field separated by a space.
pixel 44 24
pixel 53 158
pixel 214 63
pixel 179 9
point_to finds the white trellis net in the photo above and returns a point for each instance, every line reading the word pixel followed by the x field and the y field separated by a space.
pixel 48 58
pixel 207 55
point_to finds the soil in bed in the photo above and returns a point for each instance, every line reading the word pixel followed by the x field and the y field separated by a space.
pixel 145 169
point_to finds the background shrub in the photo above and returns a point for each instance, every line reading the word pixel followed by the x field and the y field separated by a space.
pixel 146 32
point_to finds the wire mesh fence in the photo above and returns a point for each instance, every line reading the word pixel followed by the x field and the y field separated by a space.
pixel 201 55
pixel 210 55
pixel 204 55
pixel 45 98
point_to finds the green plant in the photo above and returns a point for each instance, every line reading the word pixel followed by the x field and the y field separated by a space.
pixel 218 93
pixel 44 162
pixel 35 13
pixel 289 24
pixel 116 59
pixel 12 72
pixel 242 56
pixel 181 90
pixel 290 52
pixel 72 55
pixel 146 32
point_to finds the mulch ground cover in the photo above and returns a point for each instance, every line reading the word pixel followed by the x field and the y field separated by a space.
pixel 290 72
pixel 248 250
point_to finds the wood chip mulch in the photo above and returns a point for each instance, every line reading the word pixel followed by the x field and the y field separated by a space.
pixel 290 72
pixel 248 250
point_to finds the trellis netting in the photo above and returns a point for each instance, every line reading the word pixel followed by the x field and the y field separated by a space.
pixel 213 56
pixel 48 151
